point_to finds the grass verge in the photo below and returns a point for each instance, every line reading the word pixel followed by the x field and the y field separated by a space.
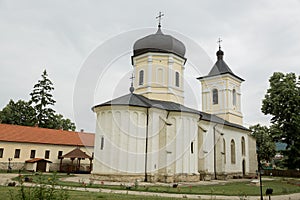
pixel 279 185
pixel 84 195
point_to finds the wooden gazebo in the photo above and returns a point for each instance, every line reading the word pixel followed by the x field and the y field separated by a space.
pixel 78 155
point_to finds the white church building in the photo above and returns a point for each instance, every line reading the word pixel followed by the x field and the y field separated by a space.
pixel 149 134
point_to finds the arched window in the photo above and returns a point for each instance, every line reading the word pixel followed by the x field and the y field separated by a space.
pixel 160 76
pixel 243 146
pixel 192 147
pixel 141 77
pixel 215 96
pixel 102 143
pixel 232 151
pixel 177 79
pixel 224 150
pixel 234 97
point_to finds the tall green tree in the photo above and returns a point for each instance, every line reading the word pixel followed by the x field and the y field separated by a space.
pixel 38 110
pixel 42 99
pixel 59 122
pixel 18 113
pixel 282 101
pixel 264 141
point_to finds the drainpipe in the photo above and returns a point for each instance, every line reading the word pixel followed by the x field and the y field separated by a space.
pixel 215 159
pixel 146 148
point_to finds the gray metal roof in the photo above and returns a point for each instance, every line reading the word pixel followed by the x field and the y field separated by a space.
pixel 218 120
pixel 220 68
pixel 159 42
pixel 141 101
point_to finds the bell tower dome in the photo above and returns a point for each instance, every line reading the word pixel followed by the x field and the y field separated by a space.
pixel 158 61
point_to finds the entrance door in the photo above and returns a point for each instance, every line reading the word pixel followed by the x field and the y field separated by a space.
pixel 41 166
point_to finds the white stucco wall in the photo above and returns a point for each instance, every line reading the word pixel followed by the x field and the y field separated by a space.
pixel 124 131
pixel 17 163
pixel 227 133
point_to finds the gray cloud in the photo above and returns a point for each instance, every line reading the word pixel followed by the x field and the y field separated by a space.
pixel 258 38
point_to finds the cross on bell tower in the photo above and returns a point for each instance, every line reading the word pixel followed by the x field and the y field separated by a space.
pixel 160 15
pixel 219 41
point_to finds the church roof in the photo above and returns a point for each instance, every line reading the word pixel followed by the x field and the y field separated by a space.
pixel 220 67
pixel 141 101
pixel 159 42
pixel 219 120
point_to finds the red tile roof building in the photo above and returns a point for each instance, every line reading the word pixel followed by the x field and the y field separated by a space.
pixel 15 133
pixel 19 144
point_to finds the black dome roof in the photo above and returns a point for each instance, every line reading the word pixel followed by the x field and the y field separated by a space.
pixel 159 42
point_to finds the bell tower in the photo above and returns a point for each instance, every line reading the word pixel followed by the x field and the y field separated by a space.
pixel 221 91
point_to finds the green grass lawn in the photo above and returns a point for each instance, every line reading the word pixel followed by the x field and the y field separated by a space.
pixel 279 186
pixel 233 189
pixel 6 193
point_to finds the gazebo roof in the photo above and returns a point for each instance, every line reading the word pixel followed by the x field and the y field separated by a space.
pixel 76 153
pixel 37 160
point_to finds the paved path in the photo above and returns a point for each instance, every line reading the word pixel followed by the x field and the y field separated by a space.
pixel 86 178
pixel 5 178
pixel 190 196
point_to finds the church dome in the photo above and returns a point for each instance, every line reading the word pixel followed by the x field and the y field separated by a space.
pixel 159 42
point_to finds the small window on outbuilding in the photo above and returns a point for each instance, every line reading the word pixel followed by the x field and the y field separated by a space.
pixel 59 155
pixel 47 154
pixel 177 79
pixel 141 77
pixel 17 153
pixel 215 96
pixel 1 152
pixel 32 154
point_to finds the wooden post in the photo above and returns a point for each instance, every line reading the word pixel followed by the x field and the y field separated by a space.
pixel 91 164
pixel 78 164
pixel 60 164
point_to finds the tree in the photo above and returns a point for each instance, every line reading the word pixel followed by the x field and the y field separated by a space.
pixel 38 110
pixel 42 98
pixel 282 101
pixel 264 141
pixel 57 121
pixel 19 113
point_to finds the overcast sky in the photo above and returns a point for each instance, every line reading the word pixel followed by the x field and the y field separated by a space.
pixel 63 37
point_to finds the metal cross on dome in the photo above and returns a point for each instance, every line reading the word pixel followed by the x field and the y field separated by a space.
pixel 132 77
pixel 131 89
pixel 219 41
pixel 160 15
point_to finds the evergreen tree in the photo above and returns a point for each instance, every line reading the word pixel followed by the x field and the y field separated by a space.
pixel 38 110
pixel 42 98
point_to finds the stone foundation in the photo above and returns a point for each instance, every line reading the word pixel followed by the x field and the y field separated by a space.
pixel 65 166
pixel 13 165
pixel 150 177
pixel 118 177
pixel 207 176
